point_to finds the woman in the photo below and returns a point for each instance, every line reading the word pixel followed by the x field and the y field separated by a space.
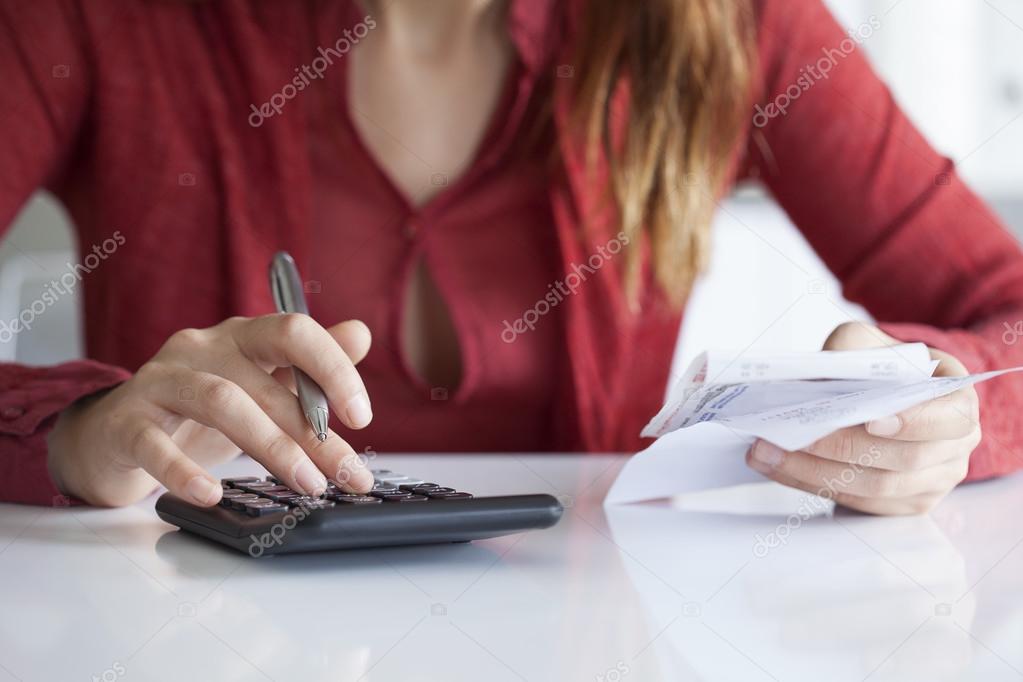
pixel 514 197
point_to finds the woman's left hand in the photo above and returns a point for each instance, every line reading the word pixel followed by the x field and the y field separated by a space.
pixel 903 464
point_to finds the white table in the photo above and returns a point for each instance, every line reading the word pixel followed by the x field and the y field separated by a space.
pixel 639 593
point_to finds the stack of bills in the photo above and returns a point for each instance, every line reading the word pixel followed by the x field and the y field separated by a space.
pixel 725 401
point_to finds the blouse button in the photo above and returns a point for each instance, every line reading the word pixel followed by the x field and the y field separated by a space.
pixel 12 412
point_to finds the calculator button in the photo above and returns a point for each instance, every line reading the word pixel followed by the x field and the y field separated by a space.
pixel 450 496
pixel 301 500
pixel 241 479
pixel 385 494
pixel 406 498
pixel 238 501
pixel 384 488
pixel 256 486
pixel 274 489
pixel 266 509
pixel 280 496
pixel 397 479
pixel 357 499
pixel 380 471
pixel 414 485
pixel 436 491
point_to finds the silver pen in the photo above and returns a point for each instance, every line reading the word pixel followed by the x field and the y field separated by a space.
pixel 286 288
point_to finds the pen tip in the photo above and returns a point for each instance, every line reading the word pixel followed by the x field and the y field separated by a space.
pixel 321 437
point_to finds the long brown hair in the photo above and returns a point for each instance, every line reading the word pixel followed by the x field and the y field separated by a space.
pixel 688 64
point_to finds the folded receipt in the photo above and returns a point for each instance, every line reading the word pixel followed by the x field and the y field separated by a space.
pixel 725 401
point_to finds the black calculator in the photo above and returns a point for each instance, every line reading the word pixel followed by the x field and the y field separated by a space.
pixel 263 517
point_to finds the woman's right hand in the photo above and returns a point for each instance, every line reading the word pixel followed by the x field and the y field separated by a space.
pixel 207 394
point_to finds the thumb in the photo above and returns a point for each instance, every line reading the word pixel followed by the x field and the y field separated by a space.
pixel 856 336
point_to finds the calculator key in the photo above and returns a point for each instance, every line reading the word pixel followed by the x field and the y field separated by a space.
pixel 261 502
pixel 398 479
pixel 274 480
pixel 408 498
pixel 274 489
pixel 301 500
pixel 266 509
pixel 241 479
pixel 436 491
pixel 280 496
pixel 450 496
pixel 385 494
pixel 380 471
pixel 238 502
pixel 228 495
pixel 357 499
pixel 256 486
pixel 412 486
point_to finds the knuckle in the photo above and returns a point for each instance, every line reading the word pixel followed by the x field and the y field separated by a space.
pixel 916 456
pixel 961 471
pixel 280 448
pixel 220 394
pixel 185 340
pixel 884 484
pixel 174 469
pixel 139 441
pixel 271 393
pixel 294 327
pixel 843 445
pixel 233 321
pixel 153 372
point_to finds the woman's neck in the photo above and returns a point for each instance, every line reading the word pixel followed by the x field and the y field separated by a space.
pixel 434 28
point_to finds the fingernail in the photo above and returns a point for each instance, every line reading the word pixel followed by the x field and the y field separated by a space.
pixel 768 454
pixel 310 479
pixel 359 412
pixel 203 490
pixel 885 426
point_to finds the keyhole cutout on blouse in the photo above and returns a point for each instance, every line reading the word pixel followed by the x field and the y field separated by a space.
pixel 429 340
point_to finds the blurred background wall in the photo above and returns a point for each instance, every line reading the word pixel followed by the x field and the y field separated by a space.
pixel 956 66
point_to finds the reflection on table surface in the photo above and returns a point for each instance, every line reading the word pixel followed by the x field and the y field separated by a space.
pixel 721 586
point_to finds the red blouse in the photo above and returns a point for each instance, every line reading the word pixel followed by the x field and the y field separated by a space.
pixel 137 116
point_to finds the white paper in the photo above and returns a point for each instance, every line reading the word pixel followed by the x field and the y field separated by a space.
pixel 706 427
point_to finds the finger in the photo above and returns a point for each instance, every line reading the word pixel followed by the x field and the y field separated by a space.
pixel 333 456
pixel 824 475
pixel 955 415
pixel 297 340
pixel 881 506
pixel 354 338
pixel 161 458
pixel 223 405
pixel 857 335
pixel 853 445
